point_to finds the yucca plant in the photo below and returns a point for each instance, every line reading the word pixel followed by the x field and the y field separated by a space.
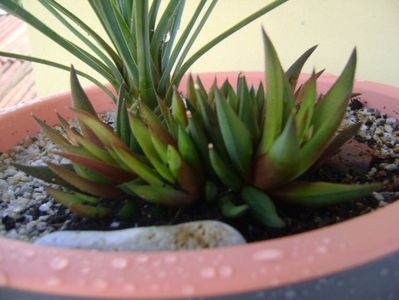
pixel 244 148
pixel 146 52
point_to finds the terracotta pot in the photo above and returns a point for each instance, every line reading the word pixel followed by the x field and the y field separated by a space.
pixel 259 269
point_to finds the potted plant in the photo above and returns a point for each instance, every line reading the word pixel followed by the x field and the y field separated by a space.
pixel 268 263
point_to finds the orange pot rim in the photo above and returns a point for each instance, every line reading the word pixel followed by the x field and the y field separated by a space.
pixel 197 273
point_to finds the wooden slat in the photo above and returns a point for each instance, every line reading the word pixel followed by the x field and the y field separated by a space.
pixel 16 77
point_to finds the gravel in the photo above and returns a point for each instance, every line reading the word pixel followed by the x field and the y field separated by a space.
pixel 27 212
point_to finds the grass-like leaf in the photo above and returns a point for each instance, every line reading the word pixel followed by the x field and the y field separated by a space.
pixel 84 184
pixel 75 203
pixel 323 193
pixel 160 194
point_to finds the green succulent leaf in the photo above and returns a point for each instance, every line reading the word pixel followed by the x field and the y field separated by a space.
pixel 70 131
pixel 261 207
pixel 337 142
pixel 96 151
pixel 45 173
pixel 305 113
pixel 179 109
pixel 126 212
pixel 54 135
pixel 275 92
pixel 211 191
pixel 111 172
pixel 280 165
pixel 188 150
pixel 295 70
pixel 102 131
pixel 122 128
pixel 75 203
pixel 153 122
pixel 323 193
pixel 186 177
pixel 84 184
pixel 79 97
pixel 236 136
pixel 230 210
pixel 225 173
pixel 157 193
pixel 145 139
pixel 137 166
pixel 328 115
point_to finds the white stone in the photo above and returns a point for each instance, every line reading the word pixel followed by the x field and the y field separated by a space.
pixel 192 235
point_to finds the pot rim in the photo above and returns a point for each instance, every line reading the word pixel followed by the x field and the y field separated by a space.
pixel 197 273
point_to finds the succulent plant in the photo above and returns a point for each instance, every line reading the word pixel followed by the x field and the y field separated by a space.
pixel 243 148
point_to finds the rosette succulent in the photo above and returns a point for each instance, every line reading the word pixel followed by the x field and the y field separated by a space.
pixel 245 148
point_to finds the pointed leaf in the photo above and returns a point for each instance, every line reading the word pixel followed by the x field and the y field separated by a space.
pixel 323 193
pixel 137 166
pixel 111 172
pixel 210 191
pixel 280 164
pixel 185 175
pixel 188 150
pixel 178 108
pixel 295 70
pixel 160 194
pixel 231 210
pixel 102 131
pixel 143 137
pixel 329 114
pixel 275 92
pixel 84 184
pixel 153 122
pixel 224 172
pixel 75 205
pixel 70 131
pixel 262 207
pixel 337 142
pixel 95 150
pixel 55 136
pixel 44 173
pixel 236 136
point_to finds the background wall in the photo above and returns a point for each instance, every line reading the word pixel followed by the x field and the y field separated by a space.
pixel 336 25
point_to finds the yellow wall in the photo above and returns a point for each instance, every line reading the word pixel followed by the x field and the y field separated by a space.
pixel 336 25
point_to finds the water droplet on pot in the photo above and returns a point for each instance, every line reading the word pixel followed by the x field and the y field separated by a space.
pixel 188 290
pixel 268 255
pixel 208 273
pixel 85 270
pixel 129 288
pixel 100 284
pixel 321 249
pixel 142 259
pixel 170 259
pixel 3 279
pixel 225 271
pixel 29 253
pixel 53 281
pixel 58 263
pixel 156 263
pixel 162 274
pixel 326 240
pixel 119 263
